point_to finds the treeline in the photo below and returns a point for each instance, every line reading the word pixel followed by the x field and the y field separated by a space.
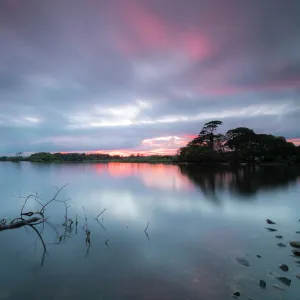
pixel 83 157
pixel 237 145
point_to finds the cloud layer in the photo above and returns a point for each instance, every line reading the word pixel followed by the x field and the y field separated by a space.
pixel 138 76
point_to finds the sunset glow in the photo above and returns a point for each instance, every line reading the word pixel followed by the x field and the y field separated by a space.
pixel 141 77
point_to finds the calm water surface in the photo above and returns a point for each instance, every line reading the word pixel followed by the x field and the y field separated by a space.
pixel 200 220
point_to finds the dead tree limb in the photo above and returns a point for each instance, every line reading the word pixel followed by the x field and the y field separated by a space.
pixel 31 219
pixel 20 223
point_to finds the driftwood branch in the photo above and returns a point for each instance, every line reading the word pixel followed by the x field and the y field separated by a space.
pixel 31 219
pixel 20 223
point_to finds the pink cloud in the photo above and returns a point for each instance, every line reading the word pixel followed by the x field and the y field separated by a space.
pixel 145 32
pixel 295 141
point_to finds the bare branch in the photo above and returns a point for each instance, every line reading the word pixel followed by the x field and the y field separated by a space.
pixel 31 196
pixel 54 198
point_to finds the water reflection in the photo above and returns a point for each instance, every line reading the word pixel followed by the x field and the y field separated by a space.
pixel 192 244
pixel 161 176
pixel 243 181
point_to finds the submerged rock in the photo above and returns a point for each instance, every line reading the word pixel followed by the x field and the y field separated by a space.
pixel 258 256
pixel 279 287
pixel 270 222
pixel 298 232
pixel 296 252
pixel 285 280
pixel 281 245
pixel 237 294
pixel 243 261
pixel 271 229
pixel 279 237
pixel 295 244
pixel 262 284
pixel 284 267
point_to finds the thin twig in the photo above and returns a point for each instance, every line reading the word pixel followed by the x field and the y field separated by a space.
pixel 147 235
pixel 101 213
pixel 43 258
pixel 85 219
pixel 45 249
pixel 101 224
pixel 146 227
pixel 27 198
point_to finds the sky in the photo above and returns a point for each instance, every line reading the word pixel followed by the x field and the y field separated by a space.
pixel 140 76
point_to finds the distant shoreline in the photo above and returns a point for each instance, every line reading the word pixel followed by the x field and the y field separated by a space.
pixel 240 164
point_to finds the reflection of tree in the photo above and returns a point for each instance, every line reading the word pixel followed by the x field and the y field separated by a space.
pixel 243 181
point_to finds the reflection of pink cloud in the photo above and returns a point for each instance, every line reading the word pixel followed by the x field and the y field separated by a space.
pixel 145 32
pixel 165 177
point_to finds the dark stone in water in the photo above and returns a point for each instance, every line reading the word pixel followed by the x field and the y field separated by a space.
pixel 243 261
pixel 262 284
pixel 270 222
pixel 296 252
pixel 281 245
pixel 295 244
pixel 258 256
pixel 271 229
pixel 284 267
pixel 285 280
pixel 279 237
pixel 298 232
pixel 237 294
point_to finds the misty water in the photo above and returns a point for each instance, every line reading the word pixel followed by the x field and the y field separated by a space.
pixel 201 219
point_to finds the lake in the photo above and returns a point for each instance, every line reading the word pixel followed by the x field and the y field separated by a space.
pixel 167 232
